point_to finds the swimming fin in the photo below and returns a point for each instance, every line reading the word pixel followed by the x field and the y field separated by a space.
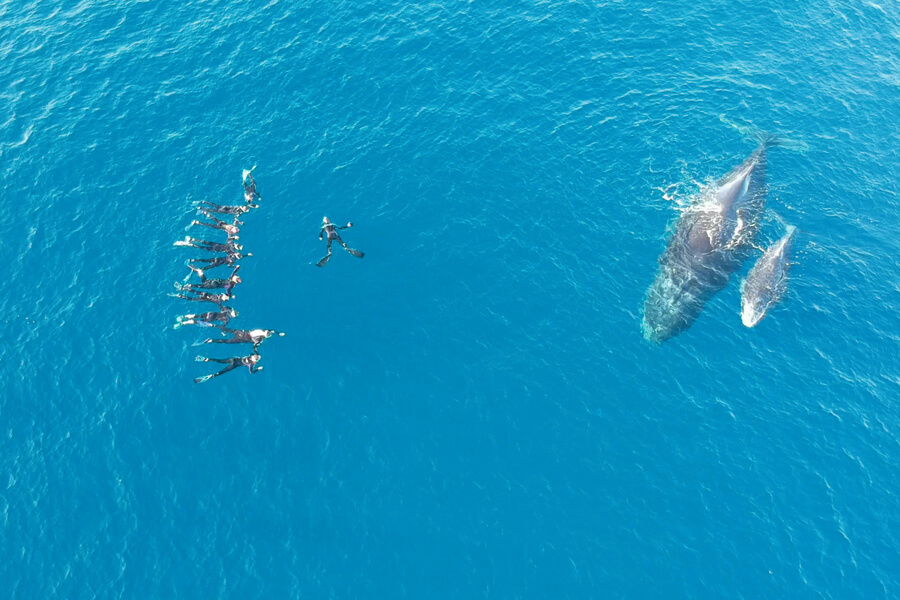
pixel 323 261
pixel 356 253
pixel 202 379
pixel 247 172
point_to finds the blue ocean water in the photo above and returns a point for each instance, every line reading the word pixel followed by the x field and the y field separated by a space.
pixel 471 410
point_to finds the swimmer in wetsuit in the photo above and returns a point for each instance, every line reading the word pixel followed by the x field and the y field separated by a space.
pixel 230 229
pixel 210 263
pixel 228 247
pixel 213 284
pixel 201 296
pixel 250 189
pixel 233 363
pixel 207 319
pixel 244 336
pixel 330 231
pixel 206 205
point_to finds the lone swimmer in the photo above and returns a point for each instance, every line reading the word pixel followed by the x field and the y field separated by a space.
pixel 245 336
pixel 233 363
pixel 207 319
pixel 330 231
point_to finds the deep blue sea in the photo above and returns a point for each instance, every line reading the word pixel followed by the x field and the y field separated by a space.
pixel 471 411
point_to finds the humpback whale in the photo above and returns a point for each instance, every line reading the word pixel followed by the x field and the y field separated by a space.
pixel 767 280
pixel 709 243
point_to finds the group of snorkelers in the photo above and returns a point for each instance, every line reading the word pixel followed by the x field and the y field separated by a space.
pixel 227 254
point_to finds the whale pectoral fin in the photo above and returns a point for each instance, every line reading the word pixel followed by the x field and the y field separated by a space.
pixel 735 239
pixel 738 231
pixel 746 184
pixel 743 232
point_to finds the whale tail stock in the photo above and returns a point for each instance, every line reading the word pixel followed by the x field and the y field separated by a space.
pixel 789 229
pixel 765 138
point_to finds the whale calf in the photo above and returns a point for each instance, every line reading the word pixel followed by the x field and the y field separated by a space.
pixel 709 243
pixel 767 280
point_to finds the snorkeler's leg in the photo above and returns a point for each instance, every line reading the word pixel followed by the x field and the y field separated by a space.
pixel 355 253
pixel 231 367
pixel 324 260
pixel 198 271
pixel 204 224
pixel 216 360
pixel 219 341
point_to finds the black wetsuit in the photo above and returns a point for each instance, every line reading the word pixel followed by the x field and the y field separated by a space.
pixel 218 261
pixel 213 284
pixel 330 232
pixel 227 210
pixel 233 363
pixel 201 296
pixel 243 336
pixel 209 317
pixel 228 247
pixel 217 223
pixel 250 190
